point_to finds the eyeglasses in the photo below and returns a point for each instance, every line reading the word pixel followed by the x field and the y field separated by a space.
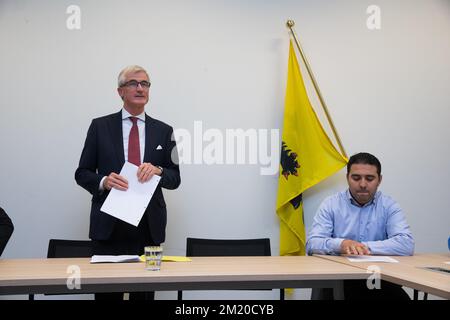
pixel 134 84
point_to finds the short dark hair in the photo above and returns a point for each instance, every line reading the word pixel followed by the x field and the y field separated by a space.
pixel 364 158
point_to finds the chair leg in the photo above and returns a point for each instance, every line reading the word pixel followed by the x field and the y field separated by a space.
pixel 425 296
pixel 281 294
pixel 180 295
pixel 31 297
pixel 315 293
pixel 338 290
pixel 416 295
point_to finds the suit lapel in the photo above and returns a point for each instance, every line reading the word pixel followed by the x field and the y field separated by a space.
pixel 115 130
pixel 150 138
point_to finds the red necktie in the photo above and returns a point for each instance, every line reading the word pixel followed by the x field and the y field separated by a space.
pixel 134 152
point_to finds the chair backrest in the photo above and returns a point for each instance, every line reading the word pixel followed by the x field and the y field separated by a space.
pixel 196 247
pixel 58 248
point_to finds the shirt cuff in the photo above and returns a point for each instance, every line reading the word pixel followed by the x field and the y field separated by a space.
pixel 334 245
pixel 373 247
pixel 100 187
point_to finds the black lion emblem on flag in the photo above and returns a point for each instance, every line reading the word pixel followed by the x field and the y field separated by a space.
pixel 289 163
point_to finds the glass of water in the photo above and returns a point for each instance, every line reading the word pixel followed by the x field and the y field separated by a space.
pixel 153 257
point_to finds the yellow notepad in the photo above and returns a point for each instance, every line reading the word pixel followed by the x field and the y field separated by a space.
pixel 176 259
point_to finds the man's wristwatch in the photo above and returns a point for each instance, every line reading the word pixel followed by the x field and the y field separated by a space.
pixel 160 168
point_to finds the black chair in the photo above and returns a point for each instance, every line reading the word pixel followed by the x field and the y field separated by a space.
pixel 69 248
pixel 58 248
pixel 227 247
pixel 416 295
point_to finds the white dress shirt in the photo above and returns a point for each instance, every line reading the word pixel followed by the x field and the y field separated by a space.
pixel 126 128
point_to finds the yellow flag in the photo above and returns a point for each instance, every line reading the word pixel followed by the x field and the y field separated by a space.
pixel 307 157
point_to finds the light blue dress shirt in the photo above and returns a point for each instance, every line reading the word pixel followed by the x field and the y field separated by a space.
pixel 379 224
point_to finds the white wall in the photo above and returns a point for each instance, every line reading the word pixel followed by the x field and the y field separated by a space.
pixel 223 63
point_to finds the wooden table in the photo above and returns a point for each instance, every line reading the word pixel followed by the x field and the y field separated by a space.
pixel 410 271
pixel 36 276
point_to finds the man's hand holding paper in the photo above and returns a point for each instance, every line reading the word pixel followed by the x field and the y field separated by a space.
pixel 129 205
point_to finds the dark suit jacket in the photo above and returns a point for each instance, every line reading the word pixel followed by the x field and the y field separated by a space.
pixel 103 153
pixel 6 229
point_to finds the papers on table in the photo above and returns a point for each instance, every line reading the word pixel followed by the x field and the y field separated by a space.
pixel 133 258
pixel 171 258
pixel 130 205
pixel 114 259
pixel 371 259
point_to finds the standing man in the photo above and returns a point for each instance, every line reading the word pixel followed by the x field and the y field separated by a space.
pixel 362 221
pixel 128 135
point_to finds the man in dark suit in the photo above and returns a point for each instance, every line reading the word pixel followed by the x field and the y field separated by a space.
pixel 6 229
pixel 128 135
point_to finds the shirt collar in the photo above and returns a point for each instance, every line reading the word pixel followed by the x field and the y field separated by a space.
pixel 353 201
pixel 126 115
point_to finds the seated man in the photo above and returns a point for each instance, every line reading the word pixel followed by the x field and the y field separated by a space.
pixel 6 229
pixel 362 221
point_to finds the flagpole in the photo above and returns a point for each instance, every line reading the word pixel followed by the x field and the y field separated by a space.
pixel 290 24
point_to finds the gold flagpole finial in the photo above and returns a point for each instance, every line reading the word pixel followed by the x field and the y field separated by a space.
pixel 290 23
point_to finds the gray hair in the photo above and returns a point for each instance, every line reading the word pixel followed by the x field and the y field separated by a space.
pixel 127 70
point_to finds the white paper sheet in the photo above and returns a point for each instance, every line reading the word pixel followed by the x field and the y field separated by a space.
pixel 371 259
pixel 114 259
pixel 130 205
